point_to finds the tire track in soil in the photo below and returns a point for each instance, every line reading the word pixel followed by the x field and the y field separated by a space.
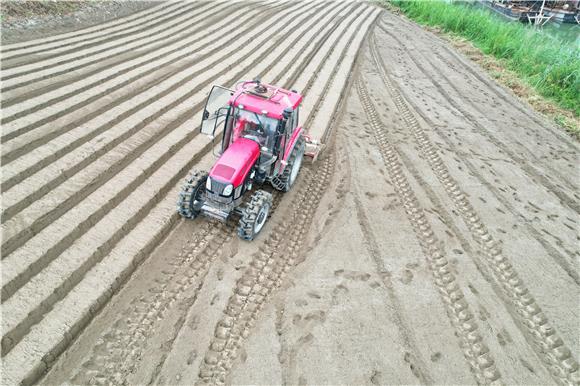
pixel 135 343
pixel 280 252
pixel 524 165
pixel 190 301
pixel 545 340
pixel 178 286
pixel 128 336
pixel 415 359
pixel 550 250
pixel 474 348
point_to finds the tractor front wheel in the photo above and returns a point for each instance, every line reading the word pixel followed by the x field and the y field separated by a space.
pixel 191 195
pixel 254 215
pixel 284 181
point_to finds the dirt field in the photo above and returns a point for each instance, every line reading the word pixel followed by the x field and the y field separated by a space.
pixel 435 241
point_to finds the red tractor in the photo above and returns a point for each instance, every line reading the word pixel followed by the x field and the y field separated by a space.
pixel 261 142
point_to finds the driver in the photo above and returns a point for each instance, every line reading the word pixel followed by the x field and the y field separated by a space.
pixel 255 132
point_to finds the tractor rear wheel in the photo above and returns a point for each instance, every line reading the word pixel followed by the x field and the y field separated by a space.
pixel 191 195
pixel 284 181
pixel 254 215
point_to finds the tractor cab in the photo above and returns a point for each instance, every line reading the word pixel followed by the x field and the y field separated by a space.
pixel 266 114
pixel 261 141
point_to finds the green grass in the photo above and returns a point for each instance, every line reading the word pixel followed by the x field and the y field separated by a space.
pixel 551 67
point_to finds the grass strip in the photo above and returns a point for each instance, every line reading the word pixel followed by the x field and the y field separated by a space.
pixel 549 66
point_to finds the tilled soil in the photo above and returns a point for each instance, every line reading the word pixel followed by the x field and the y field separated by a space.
pixel 434 241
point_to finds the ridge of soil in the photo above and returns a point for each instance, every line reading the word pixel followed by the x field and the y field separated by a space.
pixel 27 20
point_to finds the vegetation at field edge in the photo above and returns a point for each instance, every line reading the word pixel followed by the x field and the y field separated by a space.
pixel 549 66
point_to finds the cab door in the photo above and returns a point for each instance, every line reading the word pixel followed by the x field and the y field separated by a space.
pixel 216 109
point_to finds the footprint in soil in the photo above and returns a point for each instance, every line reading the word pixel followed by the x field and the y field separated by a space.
pixel 191 357
pixel 527 365
pixel 503 337
pixel 406 277
pixel 313 295
pixel 370 195
pixel 436 356
pixel 301 302
pixel 376 377
pixel 352 275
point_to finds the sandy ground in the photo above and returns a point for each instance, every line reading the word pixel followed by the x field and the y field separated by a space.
pixel 434 242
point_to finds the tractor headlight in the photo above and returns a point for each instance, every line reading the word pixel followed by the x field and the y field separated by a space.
pixel 208 183
pixel 228 190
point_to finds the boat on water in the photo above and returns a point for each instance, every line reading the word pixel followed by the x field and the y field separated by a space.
pixel 542 11
pixel 512 10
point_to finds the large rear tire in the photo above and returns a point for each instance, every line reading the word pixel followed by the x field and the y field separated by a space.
pixel 254 215
pixel 190 198
pixel 284 181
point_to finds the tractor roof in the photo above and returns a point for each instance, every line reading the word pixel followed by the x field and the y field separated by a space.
pixel 264 97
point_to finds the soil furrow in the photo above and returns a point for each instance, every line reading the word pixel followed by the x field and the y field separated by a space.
pixel 13 284
pixel 88 188
pixel 24 199
pixel 277 198
pixel 474 348
pixel 48 63
pixel 60 147
pixel 21 328
pixel 52 109
pixel 533 322
pixel 65 49
pixel 66 262
pixel 123 23
pixel 174 42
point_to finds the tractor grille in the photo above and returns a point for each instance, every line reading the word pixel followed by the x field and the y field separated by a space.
pixel 217 198
pixel 217 187
pixel 216 201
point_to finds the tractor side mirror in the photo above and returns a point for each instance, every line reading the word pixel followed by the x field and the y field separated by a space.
pixel 205 115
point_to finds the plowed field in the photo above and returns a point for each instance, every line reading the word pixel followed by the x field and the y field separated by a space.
pixel 434 241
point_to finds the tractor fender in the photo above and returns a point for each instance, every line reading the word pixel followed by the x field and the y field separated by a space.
pixel 290 148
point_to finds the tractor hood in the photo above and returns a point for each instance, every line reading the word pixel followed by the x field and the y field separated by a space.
pixel 236 162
